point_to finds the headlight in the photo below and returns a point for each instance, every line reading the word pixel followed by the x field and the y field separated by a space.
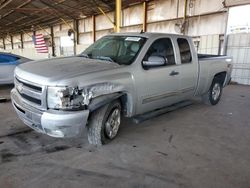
pixel 67 98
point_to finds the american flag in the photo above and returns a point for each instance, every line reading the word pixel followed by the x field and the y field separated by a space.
pixel 40 44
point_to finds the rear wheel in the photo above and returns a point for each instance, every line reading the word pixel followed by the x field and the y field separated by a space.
pixel 214 94
pixel 104 123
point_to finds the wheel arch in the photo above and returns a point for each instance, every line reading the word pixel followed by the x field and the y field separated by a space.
pixel 124 98
pixel 221 76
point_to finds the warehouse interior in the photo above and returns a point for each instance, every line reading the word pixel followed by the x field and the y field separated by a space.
pixel 196 146
pixel 205 21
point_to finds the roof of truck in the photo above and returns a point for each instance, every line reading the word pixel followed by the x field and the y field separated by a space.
pixel 146 34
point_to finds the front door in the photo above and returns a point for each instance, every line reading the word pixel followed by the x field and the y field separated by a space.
pixel 161 83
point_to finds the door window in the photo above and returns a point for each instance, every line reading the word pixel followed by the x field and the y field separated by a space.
pixel 163 48
pixel 185 52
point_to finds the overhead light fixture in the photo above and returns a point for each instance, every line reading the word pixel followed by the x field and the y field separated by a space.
pixel 82 15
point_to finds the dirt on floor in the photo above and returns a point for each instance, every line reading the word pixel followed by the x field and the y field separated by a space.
pixel 196 146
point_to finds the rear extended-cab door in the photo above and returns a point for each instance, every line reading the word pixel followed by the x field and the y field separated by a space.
pixel 187 57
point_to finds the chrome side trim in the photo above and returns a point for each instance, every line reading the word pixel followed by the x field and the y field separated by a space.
pixel 159 97
pixel 170 94
pixel 187 89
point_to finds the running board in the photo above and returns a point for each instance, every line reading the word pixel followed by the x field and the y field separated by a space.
pixel 150 115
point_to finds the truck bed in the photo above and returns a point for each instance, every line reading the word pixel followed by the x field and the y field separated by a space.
pixel 206 56
pixel 209 65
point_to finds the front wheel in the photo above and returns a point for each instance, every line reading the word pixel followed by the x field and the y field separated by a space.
pixel 104 123
pixel 214 94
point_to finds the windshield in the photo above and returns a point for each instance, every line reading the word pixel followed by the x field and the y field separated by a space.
pixel 120 49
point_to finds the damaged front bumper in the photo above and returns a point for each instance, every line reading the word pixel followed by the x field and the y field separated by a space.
pixel 51 122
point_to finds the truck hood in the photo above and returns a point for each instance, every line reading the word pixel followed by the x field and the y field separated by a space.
pixel 50 71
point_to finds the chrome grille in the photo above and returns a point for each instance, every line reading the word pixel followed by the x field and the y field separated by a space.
pixel 33 94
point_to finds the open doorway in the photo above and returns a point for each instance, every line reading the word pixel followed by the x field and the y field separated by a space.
pixel 238 43
pixel 239 19
pixel 67 46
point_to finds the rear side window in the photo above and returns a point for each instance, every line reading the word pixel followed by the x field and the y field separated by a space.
pixel 185 52
pixel 8 59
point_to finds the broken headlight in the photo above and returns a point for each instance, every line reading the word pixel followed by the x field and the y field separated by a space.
pixel 65 98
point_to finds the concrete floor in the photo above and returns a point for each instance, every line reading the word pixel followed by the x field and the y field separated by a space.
pixel 196 146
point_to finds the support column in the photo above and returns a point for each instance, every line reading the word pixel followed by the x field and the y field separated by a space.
pixel 94 28
pixel 77 31
pixel 4 47
pixel 183 29
pixel 52 41
pixel 145 16
pixel 118 9
pixel 34 34
pixel 185 9
pixel 11 41
pixel 75 36
pixel 21 35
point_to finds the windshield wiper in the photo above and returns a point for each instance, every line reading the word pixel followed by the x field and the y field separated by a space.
pixel 105 58
pixel 84 55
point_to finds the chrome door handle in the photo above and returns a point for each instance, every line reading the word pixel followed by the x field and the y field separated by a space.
pixel 173 73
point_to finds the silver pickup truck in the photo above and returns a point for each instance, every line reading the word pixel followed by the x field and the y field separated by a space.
pixel 126 74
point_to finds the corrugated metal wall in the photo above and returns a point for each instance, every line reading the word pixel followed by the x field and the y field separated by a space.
pixel 238 46
pixel 236 2
pixel 164 16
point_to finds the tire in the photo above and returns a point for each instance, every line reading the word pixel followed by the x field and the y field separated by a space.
pixel 212 97
pixel 101 125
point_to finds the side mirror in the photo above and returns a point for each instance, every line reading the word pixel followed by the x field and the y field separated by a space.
pixel 154 61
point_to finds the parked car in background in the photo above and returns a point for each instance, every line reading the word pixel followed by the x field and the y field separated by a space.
pixel 8 63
